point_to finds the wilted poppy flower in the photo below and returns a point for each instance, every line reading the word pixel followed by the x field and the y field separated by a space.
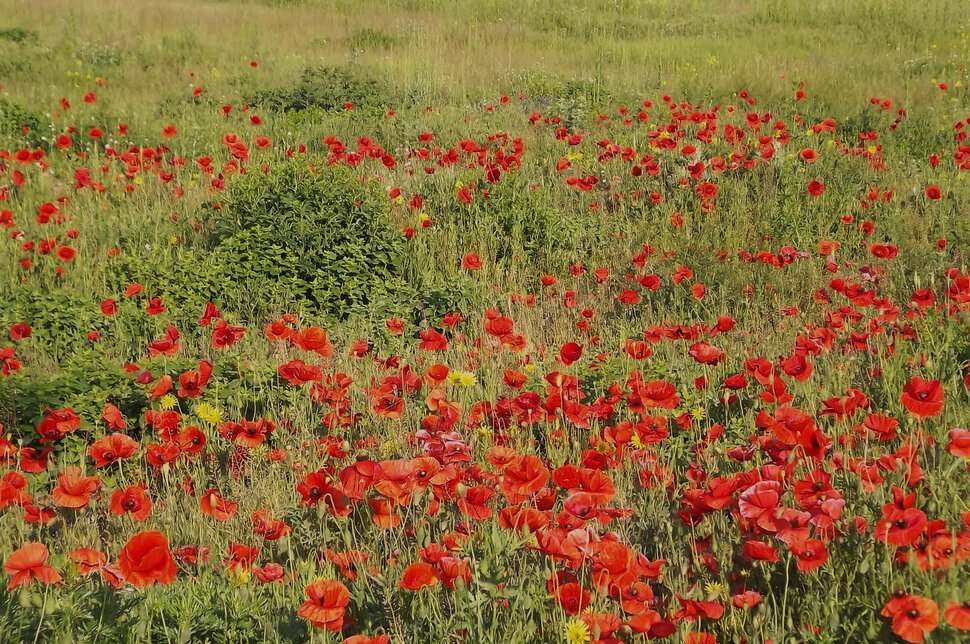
pixel 27 563
pixel 87 560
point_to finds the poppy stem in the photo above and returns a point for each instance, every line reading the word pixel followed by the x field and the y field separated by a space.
pixel 43 612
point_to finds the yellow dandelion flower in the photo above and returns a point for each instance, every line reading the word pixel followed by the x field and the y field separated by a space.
pixel 576 631
pixel 698 413
pixel 462 378
pixel 168 401
pixel 714 588
pixel 208 414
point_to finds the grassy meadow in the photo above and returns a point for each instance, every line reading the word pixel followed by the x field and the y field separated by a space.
pixel 426 321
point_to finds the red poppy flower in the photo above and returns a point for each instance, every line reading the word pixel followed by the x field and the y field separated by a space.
pixel 761 503
pixel 240 557
pixel 900 527
pixel 146 558
pixel 418 575
pixel 912 616
pixel 958 615
pixel 923 398
pixel 959 444
pixel 215 506
pixel 28 563
pixel 74 489
pixel 471 261
pixel 66 253
pixel 570 353
pixel 523 477
pixel 194 381
pixel 133 500
pixel 109 307
pixel 313 339
pixel 87 560
pixel 326 605
pixel 811 554
pixel 112 448
pixel 20 331
pixel 112 416
pixel 269 573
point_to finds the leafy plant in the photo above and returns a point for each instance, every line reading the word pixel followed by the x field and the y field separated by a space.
pixel 305 234
pixel 327 88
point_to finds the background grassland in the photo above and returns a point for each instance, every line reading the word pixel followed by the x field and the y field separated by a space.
pixel 454 52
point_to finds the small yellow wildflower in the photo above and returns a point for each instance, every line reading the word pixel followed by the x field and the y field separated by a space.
pixel 168 401
pixel 698 413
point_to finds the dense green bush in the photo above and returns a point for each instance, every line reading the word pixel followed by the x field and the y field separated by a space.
pixel 315 238
pixel 326 88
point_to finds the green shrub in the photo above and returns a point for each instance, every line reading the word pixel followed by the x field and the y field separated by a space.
pixel 326 88
pixel 312 238
pixel 184 277
pixel 19 35
pixel 60 318
pixel 84 381
pixel 526 219
pixel 369 39
pixel 13 120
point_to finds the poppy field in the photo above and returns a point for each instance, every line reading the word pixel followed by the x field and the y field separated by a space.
pixel 503 322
